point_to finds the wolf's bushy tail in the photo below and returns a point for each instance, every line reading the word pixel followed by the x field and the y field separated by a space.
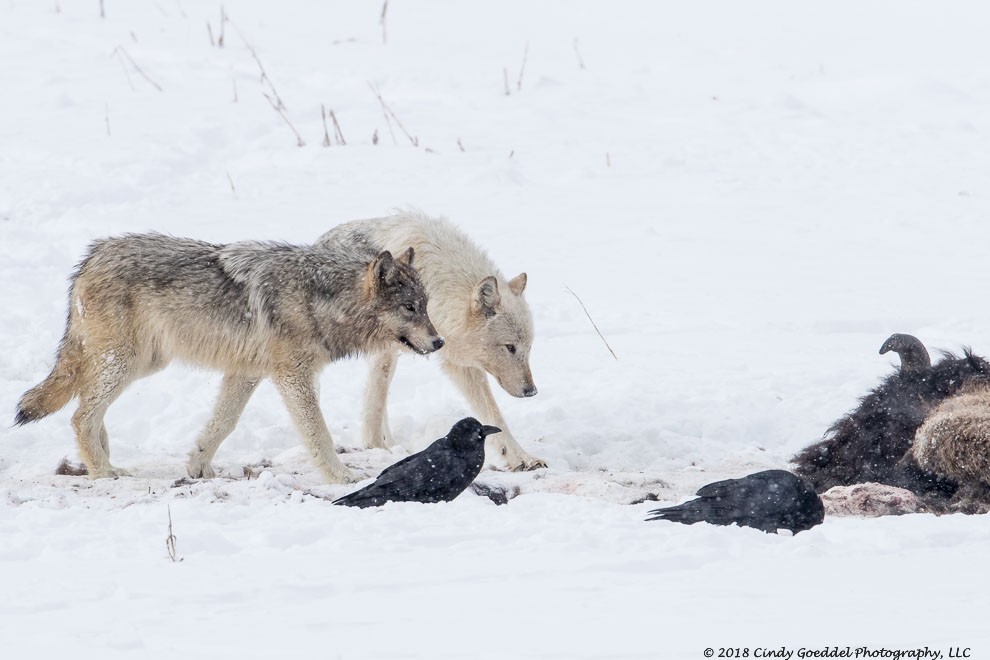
pixel 56 390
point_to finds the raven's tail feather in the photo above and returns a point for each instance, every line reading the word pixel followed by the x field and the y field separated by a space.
pixel 681 513
pixel 361 499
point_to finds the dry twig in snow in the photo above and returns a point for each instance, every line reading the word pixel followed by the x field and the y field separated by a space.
pixel 254 54
pixel 326 133
pixel 522 69
pixel 122 53
pixel 593 324
pixel 299 141
pixel 388 113
pixel 381 20
pixel 338 134
pixel 577 51
pixel 170 539
pixel 223 24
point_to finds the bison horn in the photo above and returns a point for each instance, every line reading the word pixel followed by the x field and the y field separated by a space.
pixel 912 352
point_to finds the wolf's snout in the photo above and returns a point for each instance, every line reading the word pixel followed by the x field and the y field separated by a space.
pixel 438 343
pixel 530 391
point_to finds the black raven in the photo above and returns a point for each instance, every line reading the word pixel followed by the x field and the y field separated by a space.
pixel 439 473
pixel 769 500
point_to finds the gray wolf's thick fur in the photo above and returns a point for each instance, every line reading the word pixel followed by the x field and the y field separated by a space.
pixel 251 310
pixel 483 317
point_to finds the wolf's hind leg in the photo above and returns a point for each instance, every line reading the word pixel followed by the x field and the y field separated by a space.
pixel 473 383
pixel 96 394
pixel 234 395
pixel 298 390
pixel 375 429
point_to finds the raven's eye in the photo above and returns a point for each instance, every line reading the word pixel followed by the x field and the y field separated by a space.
pixel 511 348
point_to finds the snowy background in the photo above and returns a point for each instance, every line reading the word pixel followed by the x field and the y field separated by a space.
pixel 748 197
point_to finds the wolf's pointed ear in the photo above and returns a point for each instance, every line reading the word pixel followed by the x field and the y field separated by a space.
pixel 383 268
pixel 486 297
pixel 407 257
pixel 518 284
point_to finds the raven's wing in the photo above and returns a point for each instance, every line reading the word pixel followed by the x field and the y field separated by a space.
pixel 436 477
pixel 397 468
pixel 438 458
pixel 763 495
pixel 731 489
pixel 377 492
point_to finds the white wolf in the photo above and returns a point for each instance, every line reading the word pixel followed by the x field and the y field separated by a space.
pixel 483 318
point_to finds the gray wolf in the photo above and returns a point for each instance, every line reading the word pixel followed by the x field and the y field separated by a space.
pixel 439 473
pixel 768 500
pixel 867 444
pixel 252 310
pixel 483 317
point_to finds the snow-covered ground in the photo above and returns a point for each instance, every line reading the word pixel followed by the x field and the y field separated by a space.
pixel 748 197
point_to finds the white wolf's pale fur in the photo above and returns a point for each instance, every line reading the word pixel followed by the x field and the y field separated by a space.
pixel 482 316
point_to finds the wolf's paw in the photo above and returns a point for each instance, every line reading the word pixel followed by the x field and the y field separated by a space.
pixel 342 476
pixel 108 472
pixel 380 443
pixel 381 440
pixel 354 477
pixel 200 470
pixel 527 463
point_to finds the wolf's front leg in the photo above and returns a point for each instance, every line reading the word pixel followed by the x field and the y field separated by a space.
pixel 298 390
pixel 234 394
pixel 473 383
pixel 375 431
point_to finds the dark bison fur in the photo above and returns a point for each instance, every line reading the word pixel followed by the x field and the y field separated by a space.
pixel 867 444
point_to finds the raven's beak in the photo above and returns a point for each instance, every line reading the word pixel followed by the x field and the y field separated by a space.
pixel 488 430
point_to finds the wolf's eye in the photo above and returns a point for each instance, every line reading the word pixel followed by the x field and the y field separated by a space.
pixel 409 308
pixel 511 348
